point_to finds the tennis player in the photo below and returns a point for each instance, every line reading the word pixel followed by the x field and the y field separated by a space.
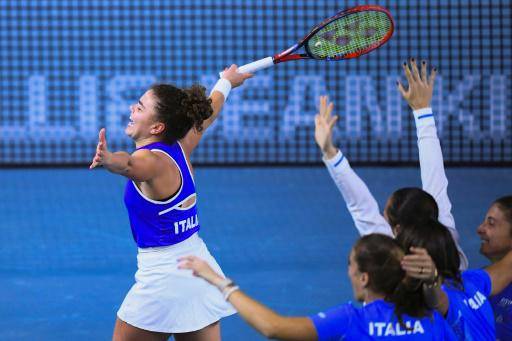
pixel 361 204
pixel 394 305
pixel 166 125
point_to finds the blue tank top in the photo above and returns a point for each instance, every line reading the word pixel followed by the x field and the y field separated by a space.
pixel 163 223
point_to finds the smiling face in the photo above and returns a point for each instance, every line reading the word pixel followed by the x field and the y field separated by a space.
pixel 143 124
pixel 495 233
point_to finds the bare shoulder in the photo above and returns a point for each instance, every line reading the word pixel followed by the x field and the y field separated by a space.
pixel 156 163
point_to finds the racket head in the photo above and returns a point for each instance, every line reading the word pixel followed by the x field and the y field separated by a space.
pixel 350 33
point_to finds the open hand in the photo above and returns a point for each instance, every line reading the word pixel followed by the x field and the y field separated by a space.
pixel 102 154
pixel 324 124
pixel 419 92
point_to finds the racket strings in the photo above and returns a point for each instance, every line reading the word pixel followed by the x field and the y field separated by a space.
pixel 350 34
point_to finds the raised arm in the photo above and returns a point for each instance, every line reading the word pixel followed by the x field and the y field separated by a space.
pixel 142 165
pixel 433 177
pixel 230 80
pixel 361 204
pixel 260 317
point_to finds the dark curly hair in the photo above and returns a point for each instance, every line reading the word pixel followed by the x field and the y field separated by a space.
pixel 181 109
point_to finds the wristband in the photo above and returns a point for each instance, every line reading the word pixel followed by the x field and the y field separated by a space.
pixel 229 291
pixel 225 283
pixel 223 86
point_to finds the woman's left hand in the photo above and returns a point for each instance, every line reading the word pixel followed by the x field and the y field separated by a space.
pixel 419 265
pixel 200 268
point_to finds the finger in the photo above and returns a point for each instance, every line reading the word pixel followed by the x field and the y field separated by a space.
pixel 412 273
pixel 418 265
pixel 323 101
pixel 426 267
pixel 415 72
pixel 432 78
pixel 333 122
pixel 184 265
pixel 421 261
pixel 407 73
pixel 418 250
pixel 329 109
pixel 102 136
pixel 416 271
pixel 319 121
pixel 424 71
pixel 402 90
pixel 187 258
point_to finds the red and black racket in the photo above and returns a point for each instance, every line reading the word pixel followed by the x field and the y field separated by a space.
pixel 348 34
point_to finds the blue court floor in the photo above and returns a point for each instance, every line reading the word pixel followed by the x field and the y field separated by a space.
pixel 67 257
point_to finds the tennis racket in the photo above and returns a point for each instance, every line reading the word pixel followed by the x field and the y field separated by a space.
pixel 348 34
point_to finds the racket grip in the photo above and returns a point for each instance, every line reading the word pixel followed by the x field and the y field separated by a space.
pixel 255 66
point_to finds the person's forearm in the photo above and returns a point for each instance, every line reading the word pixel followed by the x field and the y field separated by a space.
pixel 118 162
pixel 217 104
pixel 329 152
pixel 271 324
pixel 360 202
pixel 436 298
pixel 257 315
pixel 219 95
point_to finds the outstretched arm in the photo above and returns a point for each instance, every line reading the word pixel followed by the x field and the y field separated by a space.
pixel 260 317
pixel 140 166
pixel 433 177
pixel 360 202
pixel 230 80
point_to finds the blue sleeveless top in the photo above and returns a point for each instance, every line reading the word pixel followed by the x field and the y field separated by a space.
pixel 163 223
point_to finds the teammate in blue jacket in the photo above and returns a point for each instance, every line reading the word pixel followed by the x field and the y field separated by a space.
pixel 394 307
pixel 463 298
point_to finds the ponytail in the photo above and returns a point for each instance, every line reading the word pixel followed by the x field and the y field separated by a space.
pixel 380 257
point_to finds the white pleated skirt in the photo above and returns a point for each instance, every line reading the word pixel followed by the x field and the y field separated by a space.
pixel 170 300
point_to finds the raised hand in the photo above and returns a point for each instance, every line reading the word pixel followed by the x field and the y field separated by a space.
pixel 419 92
pixel 324 124
pixel 102 154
